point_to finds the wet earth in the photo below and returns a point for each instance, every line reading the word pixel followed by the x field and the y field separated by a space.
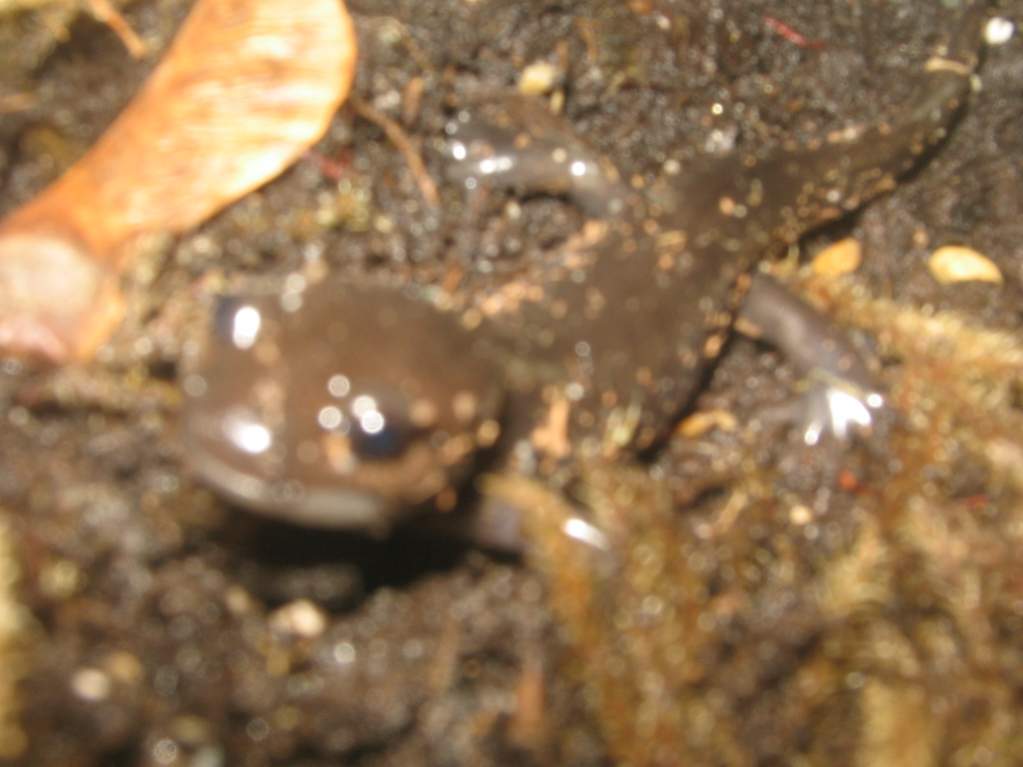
pixel 759 602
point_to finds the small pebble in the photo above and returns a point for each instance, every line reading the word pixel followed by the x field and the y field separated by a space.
pixel 238 601
pixel 538 78
pixel 838 259
pixel 999 31
pixel 300 618
pixel 800 515
pixel 958 263
pixel 60 579
pixel 91 684
pixel 124 667
pixel 702 422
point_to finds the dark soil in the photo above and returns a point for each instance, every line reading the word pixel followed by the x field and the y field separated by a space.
pixel 759 606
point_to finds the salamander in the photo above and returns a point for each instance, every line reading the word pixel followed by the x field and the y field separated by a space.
pixel 353 405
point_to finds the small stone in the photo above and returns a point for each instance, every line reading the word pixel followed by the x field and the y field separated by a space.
pixel 958 263
pixel 300 618
pixel 998 31
pixel 703 421
pixel 124 667
pixel 838 259
pixel 91 684
pixel 60 579
pixel 800 515
pixel 538 78
pixel 238 601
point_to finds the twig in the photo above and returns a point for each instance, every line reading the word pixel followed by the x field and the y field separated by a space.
pixel 397 136
pixel 107 14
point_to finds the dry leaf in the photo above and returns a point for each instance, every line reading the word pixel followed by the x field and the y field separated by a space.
pixel 245 88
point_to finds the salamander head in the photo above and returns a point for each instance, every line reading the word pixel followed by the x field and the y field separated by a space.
pixel 337 406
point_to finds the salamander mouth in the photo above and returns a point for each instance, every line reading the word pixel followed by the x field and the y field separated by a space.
pixel 289 500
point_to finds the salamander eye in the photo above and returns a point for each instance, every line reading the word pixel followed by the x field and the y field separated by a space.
pixel 377 428
pixel 373 442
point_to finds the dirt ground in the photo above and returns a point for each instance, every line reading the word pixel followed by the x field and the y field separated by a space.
pixel 757 606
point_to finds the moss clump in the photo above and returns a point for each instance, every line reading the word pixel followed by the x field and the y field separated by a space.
pixel 747 627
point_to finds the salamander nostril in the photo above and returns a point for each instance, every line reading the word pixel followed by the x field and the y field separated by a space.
pixel 224 310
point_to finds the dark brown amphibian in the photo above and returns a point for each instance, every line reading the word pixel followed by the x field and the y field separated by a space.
pixel 344 405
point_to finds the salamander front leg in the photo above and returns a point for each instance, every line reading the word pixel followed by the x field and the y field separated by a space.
pixel 518 143
pixel 843 397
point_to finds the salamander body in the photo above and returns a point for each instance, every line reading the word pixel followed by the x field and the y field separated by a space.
pixel 349 405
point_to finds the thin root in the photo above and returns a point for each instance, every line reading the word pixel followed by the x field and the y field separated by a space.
pixel 401 141
pixel 105 13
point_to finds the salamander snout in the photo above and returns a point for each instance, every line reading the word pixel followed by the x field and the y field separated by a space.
pixel 338 406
